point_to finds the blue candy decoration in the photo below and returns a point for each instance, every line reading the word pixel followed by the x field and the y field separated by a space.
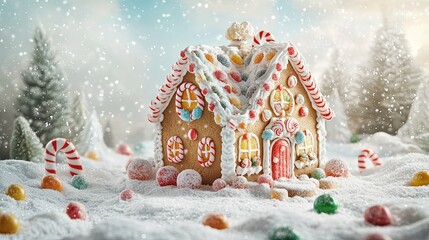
pixel 197 113
pixel 299 137
pixel 79 182
pixel 185 115
pixel 223 60
pixel 268 134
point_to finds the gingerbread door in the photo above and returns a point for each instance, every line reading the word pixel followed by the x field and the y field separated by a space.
pixel 280 159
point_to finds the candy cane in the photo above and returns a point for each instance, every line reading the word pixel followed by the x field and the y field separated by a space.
pixel 262 36
pixel 206 141
pixel 171 150
pixel 188 87
pixel 368 153
pixel 65 146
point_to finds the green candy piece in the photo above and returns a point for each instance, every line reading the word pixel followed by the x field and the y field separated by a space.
pixel 283 233
pixel 79 182
pixel 318 173
pixel 325 204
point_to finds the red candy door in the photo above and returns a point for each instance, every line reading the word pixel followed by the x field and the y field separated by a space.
pixel 280 159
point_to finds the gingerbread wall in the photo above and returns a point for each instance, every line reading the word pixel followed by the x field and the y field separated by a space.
pixel 172 125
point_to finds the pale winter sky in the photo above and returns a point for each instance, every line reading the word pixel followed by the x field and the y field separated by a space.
pixel 118 52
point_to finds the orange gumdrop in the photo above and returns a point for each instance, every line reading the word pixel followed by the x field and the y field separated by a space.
pixel 52 182
pixel 217 221
pixel 258 58
pixel 270 56
pixel 210 58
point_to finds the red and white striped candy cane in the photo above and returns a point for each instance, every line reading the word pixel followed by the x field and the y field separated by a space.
pixel 65 146
pixel 206 151
pixel 370 154
pixel 174 154
pixel 261 37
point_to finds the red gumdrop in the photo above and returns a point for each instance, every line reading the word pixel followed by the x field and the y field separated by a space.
pixel 239 182
pixel 336 168
pixel 260 101
pixel 219 184
pixel 265 178
pixel 266 86
pixel 167 176
pixel 377 236
pixel 139 169
pixel 278 67
pixel 126 195
pixel 378 215
pixel 236 76
pixel 221 76
pixel 124 149
pixel 252 114
pixel 227 88
pixel 76 210
pixel 189 178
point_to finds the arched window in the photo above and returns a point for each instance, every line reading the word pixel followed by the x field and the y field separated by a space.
pixel 248 147
pixel 307 146
pixel 175 151
pixel 281 101
pixel 189 102
pixel 206 152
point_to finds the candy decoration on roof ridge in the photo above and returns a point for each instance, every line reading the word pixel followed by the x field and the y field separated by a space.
pixel 262 36
pixel 370 154
pixel 65 146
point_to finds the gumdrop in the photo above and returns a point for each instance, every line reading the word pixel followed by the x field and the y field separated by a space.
pixel 16 191
pixel 221 76
pixel 223 60
pixel 336 168
pixel 76 210
pixel 299 137
pixel 210 58
pixel 139 169
pixel 325 204
pixel 8 224
pixel 279 194
pixel 239 182
pixel 219 184
pixel 79 182
pixel 260 73
pixel 189 178
pixel 235 58
pixel 52 182
pixel 378 215
pixel 167 176
pixel 235 75
pixel 126 195
pixel 318 173
pixel 216 221
pixel 124 149
pixel 421 178
pixel 377 236
pixel 270 56
pixel 258 58
pixel 283 233
pixel 92 155
pixel 265 178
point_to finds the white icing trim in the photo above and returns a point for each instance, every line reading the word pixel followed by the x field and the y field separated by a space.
pixel 158 146
pixel 228 154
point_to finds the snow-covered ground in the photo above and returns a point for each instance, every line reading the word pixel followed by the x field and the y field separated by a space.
pixel 171 213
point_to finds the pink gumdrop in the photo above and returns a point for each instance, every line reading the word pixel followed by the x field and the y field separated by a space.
pixel 126 195
pixel 221 76
pixel 265 178
pixel 219 184
pixel 239 182
pixel 139 169
pixel 76 210
pixel 166 176
pixel 377 236
pixel 378 215
pixel 336 168
pixel 124 149
pixel 189 178
pixel 235 75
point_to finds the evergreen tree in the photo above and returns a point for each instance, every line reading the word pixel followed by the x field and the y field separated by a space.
pixel 389 81
pixel 337 129
pixel 24 144
pixel 91 138
pixel 79 117
pixel 109 139
pixel 335 77
pixel 44 100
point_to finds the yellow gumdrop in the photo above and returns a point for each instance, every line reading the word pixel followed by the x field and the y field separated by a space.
pixel 235 101
pixel 421 178
pixel 93 155
pixel 217 119
pixel 8 224
pixel 16 192
pixel 270 56
pixel 210 58
pixel 198 78
pixel 235 58
pixel 258 58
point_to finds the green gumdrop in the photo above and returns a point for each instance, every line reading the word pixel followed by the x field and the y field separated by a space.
pixel 325 204
pixel 283 233
pixel 318 173
pixel 79 182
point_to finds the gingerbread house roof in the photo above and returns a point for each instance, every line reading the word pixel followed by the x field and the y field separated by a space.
pixel 235 88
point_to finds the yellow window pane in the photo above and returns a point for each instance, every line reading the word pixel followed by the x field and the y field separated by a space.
pixel 189 100
pixel 175 149
pixel 244 146
pixel 254 146
pixel 205 152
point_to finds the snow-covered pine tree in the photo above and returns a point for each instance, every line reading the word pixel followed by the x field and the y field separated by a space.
pixel 389 80
pixel 335 77
pixel 24 144
pixel 79 117
pixel 44 100
pixel 109 139
pixel 337 129
pixel 91 138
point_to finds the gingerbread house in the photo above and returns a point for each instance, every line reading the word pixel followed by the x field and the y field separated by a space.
pixel 240 109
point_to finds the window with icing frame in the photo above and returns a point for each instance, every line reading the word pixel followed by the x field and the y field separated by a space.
pixel 175 151
pixel 281 101
pixel 307 146
pixel 248 148
pixel 189 102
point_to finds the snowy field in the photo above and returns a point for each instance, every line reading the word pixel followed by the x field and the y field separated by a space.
pixel 171 213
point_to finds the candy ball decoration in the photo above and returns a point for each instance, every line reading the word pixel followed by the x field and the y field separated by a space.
pixel 124 149
pixel 239 182
pixel 292 81
pixel 76 210
pixel 52 182
pixel 299 137
pixel 93 155
pixel 8 224
pixel 421 178
pixel 79 182
pixel 189 178
pixel 217 221
pixel 16 191
pixel 377 236
pixel 219 184
pixel 265 178
pixel 283 233
pixel 126 195
pixel 303 111
pixel 139 169
pixel 318 173
pixel 325 204
pixel 378 215
pixel 336 168
pixel 167 176
pixel 192 134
